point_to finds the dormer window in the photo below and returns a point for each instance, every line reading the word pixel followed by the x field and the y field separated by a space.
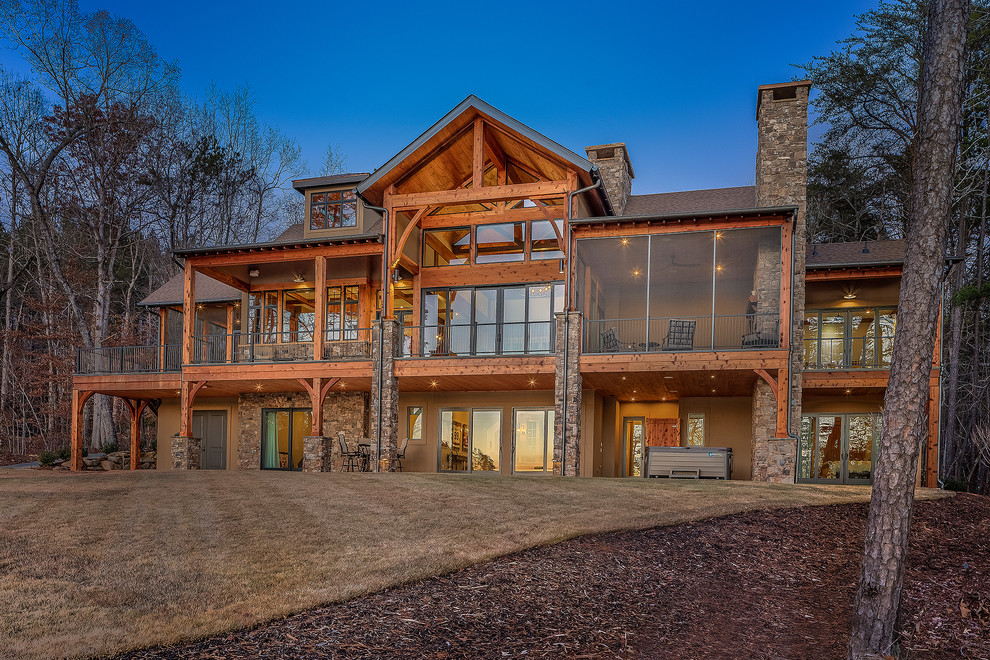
pixel 329 210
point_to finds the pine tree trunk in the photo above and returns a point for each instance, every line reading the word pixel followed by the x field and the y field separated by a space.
pixel 904 419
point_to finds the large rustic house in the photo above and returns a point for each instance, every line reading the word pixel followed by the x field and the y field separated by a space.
pixel 538 318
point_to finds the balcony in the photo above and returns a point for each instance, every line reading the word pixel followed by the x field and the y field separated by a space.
pixel 682 334
pixel 265 347
pixel 479 340
pixel 129 360
pixel 849 339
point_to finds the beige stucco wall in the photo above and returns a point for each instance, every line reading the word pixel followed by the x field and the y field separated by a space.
pixel 168 425
pixel 728 423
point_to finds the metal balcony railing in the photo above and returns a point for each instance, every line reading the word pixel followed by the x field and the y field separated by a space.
pixel 479 339
pixel 265 347
pixel 682 333
pixel 129 359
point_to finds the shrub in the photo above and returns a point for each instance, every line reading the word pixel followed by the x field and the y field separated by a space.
pixel 108 447
pixel 64 453
pixel 957 485
pixel 47 457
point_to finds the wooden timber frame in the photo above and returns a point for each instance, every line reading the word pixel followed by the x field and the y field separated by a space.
pixel 136 408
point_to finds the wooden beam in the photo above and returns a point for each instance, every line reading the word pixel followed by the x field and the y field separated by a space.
pixel 317 393
pixel 408 232
pixel 230 333
pixel 537 190
pixel 226 278
pixel 187 396
pixel 283 255
pixel 188 312
pixel 553 223
pixel 162 335
pixel 136 411
pixel 827 274
pixel 482 217
pixel 79 399
pixel 478 153
pixel 406 262
pixel 931 455
pixel 494 152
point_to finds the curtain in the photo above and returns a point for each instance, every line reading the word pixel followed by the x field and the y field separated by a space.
pixel 271 441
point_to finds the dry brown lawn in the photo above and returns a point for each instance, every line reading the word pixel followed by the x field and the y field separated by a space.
pixel 93 564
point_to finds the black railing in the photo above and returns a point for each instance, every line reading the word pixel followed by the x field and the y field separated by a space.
pixel 264 347
pixel 478 339
pixel 129 359
pixel 682 333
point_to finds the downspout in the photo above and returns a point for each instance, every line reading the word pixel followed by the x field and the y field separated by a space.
pixel 790 435
pixel 381 325
pixel 567 317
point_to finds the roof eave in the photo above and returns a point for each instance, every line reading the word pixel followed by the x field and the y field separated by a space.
pixel 766 210
pixel 358 238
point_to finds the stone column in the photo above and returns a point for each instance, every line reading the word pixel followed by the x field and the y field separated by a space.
pixel 317 453
pixel 185 453
pixel 773 458
pixel 385 344
pixel 567 395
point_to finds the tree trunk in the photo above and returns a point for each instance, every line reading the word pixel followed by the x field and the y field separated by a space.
pixel 905 419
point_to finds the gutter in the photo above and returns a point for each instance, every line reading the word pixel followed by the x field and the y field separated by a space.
pixel 381 325
pixel 766 210
pixel 567 320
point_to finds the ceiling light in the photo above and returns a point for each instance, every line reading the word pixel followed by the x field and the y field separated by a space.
pixel 433 383
pixel 254 272
pixel 258 387
pixel 849 296
pixel 532 381
pixel 298 279
pixel 636 273
pixel 625 241
pixel 668 378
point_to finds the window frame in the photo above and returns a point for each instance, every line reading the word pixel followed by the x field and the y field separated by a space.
pixel 347 197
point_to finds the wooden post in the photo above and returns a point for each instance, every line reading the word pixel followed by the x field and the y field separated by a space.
pixel 187 396
pixel 230 333
pixel 320 322
pixel 79 400
pixel 188 312
pixel 317 391
pixel 478 169
pixel 162 335
pixel 786 274
pixel 931 455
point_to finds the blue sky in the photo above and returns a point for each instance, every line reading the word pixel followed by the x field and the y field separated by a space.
pixel 675 81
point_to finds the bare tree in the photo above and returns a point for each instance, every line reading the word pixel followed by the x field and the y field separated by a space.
pixel 905 418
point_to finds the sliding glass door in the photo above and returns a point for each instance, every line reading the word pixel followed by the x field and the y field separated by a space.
pixel 470 440
pixel 282 433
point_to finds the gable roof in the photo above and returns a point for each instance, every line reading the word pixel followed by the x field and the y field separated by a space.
pixel 369 186
pixel 335 180
pixel 689 201
pixel 208 290
pixel 857 253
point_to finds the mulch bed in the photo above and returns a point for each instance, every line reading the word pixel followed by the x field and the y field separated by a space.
pixel 7 458
pixel 765 584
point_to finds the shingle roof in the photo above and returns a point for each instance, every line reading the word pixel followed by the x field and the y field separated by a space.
pixel 207 290
pixel 713 199
pixel 858 253
pixel 302 184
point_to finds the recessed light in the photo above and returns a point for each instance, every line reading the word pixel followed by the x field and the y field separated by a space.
pixel 849 296
pixel 433 383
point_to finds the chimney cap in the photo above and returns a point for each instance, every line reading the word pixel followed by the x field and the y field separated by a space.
pixel 794 83
pixel 612 145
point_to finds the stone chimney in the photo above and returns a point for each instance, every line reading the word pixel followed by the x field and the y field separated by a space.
pixel 781 180
pixel 616 170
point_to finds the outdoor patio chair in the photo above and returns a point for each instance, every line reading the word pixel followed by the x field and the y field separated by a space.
pixel 610 341
pixel 400 455
pixel 350 460
pixel 680 335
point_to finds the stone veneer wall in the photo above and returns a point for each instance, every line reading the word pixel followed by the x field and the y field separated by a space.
pixel 388 408
pixel 570 392
pixel 766 285
pixel 185 453
pixel 342 411
pixel 616 172
pixel 781 180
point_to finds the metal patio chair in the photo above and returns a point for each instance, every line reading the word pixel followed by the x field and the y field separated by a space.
pixel 680 335
pixel 350 460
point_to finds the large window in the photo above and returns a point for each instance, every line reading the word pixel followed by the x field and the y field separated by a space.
pixel 329 210
pixel 470 440
pixel 414 423
pixel 532 441
pixel 545 244
pixel 298 315
pixel 687 291
pixel 696 430
pixel 501 243
pixel 446 247
pixel 263 317
pixel 836 339
pixel 342 312
pixel 490 320
pixel 282 434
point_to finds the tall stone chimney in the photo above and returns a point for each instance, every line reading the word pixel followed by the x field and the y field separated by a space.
pixel 616 170
pixel 781 180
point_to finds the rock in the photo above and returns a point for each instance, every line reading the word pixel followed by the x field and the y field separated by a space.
pixel 90 462
pixel 107 465
pixel 147 455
